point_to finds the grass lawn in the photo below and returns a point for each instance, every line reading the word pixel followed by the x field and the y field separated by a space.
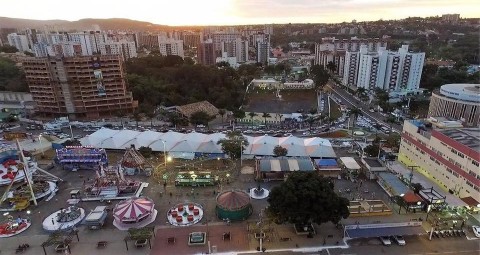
pixel 335 134
pixel 291 101
pixel 335 111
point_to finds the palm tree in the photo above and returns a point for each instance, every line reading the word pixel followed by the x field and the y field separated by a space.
pixel 252 115
pixel 266 115
pixel 355 112
pixel 151 115
pixel 222 113
pixel 137 117
pixel 120 114
pixel 280 118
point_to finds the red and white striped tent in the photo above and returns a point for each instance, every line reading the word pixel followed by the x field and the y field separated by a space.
pixel 133 211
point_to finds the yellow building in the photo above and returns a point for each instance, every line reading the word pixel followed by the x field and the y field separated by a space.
pixel 444 152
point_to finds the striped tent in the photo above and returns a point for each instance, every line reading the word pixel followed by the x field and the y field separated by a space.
pixel 133 209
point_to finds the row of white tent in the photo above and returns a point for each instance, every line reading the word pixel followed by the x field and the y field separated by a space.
pixel 177 144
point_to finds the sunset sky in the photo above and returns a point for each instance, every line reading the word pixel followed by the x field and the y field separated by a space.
pixel 233 12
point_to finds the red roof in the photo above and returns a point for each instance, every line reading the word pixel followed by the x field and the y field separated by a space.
pixel 411 197
pixel 470 201
pixel 233 200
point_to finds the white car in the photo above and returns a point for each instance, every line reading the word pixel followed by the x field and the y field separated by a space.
pixel 399 240
pixel 385 240
pixel 476 231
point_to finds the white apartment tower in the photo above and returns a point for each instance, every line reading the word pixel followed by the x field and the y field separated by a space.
pixel 397 72
pixel 125 49
pixel 170 46
pixel 237 48
pixel 334 50
pixel 18 41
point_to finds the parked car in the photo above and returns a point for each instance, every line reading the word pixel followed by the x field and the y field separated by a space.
pixel 385 240
pixel 399 240
pixel 476 231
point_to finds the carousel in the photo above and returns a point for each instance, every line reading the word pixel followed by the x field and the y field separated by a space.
pixel 11 168
pixel 64 219
pixel 133 162
pixel 134 213
pixel 13 227
pixel 185 214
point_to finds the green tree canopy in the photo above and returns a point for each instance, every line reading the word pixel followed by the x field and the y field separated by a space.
pixel 200 118
pixel 320 75
pixel 305 198
pixel 145 151
pixel 280 151
pixel 233 144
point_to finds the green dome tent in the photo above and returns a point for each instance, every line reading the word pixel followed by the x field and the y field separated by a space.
pixel 233 205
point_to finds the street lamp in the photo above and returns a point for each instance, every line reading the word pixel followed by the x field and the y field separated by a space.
pixel 164 152
pixel 71 132
pixel 41 146
pixel 241 153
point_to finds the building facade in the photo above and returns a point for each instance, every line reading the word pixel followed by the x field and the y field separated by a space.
pixel 457 101
pixel 206 53
pixel 334 50
pixel 398 72
pixel 82 87
pixel 125 49
pixel 170 46
pixel 448 156
pixel 18 41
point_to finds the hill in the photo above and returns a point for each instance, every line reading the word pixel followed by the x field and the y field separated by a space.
pixel 83 24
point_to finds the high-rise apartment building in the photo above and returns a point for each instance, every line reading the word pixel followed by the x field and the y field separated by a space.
pixel 191 40
pixel 397 72
pixel 263 52
pixel 125 49
pixel 334 50
pixel 237 48
pixel 81 87
pixel 170 46
pixel 18 41
pixel 206 53
pixel 219 38
pixel 147 40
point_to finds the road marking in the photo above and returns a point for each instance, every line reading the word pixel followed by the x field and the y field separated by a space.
pixel 445 252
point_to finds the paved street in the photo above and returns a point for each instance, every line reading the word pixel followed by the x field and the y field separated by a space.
pixel 351 102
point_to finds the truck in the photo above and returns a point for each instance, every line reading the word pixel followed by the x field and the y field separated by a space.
pixel 96 218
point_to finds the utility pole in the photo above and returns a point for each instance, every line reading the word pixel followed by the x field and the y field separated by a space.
pixel 411 175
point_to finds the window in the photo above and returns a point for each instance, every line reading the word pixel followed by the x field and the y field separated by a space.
pixel 475 163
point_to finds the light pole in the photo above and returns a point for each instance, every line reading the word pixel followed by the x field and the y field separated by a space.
pixel 41 147
pixel 165 153
pixel 241 153
pixel 71 132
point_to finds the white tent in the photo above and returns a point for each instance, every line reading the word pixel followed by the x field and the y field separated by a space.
pixel 209 147
pixel 98 137
pixel 119 139
pixel 144 139
pixel 350 163
pixel 186 145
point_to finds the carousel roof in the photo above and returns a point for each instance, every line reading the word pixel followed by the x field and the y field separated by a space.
pixel 133 208
pixel 233 200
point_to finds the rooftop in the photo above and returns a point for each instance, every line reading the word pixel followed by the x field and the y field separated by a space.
pixel 469 137
pixel 205 106
pixel 460 91
pixel 372 162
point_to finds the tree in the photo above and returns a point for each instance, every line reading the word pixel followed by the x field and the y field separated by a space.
pixel 266 115
pixel 355 112
pixel 233 144
pixel 8 49
pixel 307 197
pixel 174 118
pixel 331 66
pixel 320 76
pixel 151 115
pixel 279 151
pixel 239 114
pixel 137 116
pixel 120 114
pixel 200 118
pixel 417 187
pixel 391 120
pixel 310 120
pixel 372 150
pixel 222 113
pixel 252 115
pixel 145 151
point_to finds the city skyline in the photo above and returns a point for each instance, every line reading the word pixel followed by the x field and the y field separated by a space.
pixel 239 12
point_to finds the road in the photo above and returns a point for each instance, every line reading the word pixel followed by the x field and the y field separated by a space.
pixel 416 245
pixel 351 102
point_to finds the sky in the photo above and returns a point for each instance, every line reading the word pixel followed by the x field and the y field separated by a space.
pixel 236 12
